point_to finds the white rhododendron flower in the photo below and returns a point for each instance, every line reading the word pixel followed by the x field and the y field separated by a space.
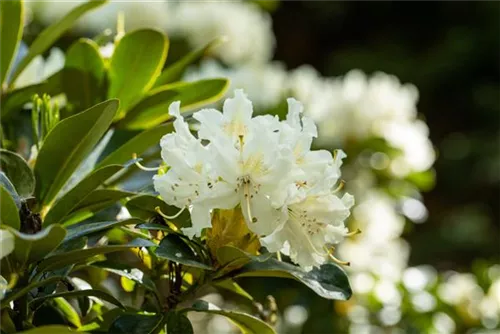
pixel 263 83
pixel 248 29
pixel 264 167
pixel 6 243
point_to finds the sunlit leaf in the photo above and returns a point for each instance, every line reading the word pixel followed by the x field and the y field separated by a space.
pixel 18 172
pixel 152 110
pixel 11 32
pixel 9 212
pixel 173 248
pixel 67 144
pixel 136 63
pixel 81 293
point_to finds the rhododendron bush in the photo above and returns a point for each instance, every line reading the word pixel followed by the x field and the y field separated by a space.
pixel 153 158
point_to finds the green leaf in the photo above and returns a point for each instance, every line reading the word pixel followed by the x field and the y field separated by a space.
pixel 84 56
pixel 11 32
pixel 425 181
pixel 9 212
pixel 75 196
pixel 96 201
pixel 232 286
pixel 136 323
pixel 18 172
pixel 82 255
pixel 101 323
pixel 152 110
pixel 178 323
pixel 173 248
pixel 175 71
pixel 19 292
pixel 68 312
pixel 136 63
pixel 47 37
pixel 248 324
pixel 16 99
pixel 134 275
pixel 329 281
pixel 143 206
pixel 67 144
pixel 81 293
pixel 31 248
pixel 138 144
pixel 52 329
pixel 80 230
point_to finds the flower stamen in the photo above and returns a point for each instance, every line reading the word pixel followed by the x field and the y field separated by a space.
pixel 144 168
pixel 158 210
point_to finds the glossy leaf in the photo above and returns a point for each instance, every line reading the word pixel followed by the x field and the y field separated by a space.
pixel 152 110
pixel 5 182
pixel 52 33
pixel 75 196
pixel 232 286
pixel 173 248
pixel 175 71
pixel 84 229
pixel 68 311
pixel 82 255
pixel 134 275
pixel 329 281
pixel 81 293
pixel 248 324
pixel 178 323
pixel 67 145
pixel 14 100
pixel 84 56
pixel 102 323
pixel 31 248
pixel 18 172
pixel 11 32
pixel 9 212
pixel 52 329
pixel 136 63
pixel 99 200
pixel 138 144
pixel 136 323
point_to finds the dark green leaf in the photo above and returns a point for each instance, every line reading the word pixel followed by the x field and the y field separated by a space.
pixel 52 329
pixel 9 212
pixel 30 248
pixel 173 248
pixel 11 32
pixel 152 110
pixel 102 323
pixel 80 230
pixel 75 196
pixel 19 292
pixel 232 286
pixel 329 281
pixel 248 324
pixel 136 323
pixel 138 144
pixel 82 255
pixel 175 71
pixel 136 63
pixel 47 37
pixel 98 200
pixel 67 144
pixel 18 172
pixel 143 206
pixel 16 99
pixel 178 323
pixel 132 274
pixel 81 293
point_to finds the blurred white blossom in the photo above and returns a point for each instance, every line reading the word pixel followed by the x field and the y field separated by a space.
pixel 247 28
pixel 40 69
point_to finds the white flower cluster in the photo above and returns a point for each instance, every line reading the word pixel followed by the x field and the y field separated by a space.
pixel 265 167
pixel 357 107
pixel 6 247
pixel 248 30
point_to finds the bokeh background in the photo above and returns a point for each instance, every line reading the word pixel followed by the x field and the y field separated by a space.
pixel 444 253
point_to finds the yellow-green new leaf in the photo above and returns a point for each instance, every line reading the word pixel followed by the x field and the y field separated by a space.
pixel 47 37
pixel 67 144
pixel 11 32
pixel 136 63
pixel 9 213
